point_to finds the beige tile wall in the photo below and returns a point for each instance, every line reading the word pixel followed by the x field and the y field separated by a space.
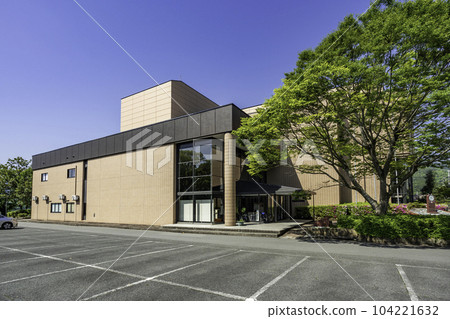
pixel 252 110
pixel 57 184
pixel 160 103
pixel 121 194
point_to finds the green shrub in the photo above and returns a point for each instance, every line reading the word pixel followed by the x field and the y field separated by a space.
pixel 333 211
pixel 395 226
pixel 416 205
pixel 20 213
pixel 303 212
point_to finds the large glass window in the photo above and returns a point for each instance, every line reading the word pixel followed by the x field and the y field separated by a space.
pixel 199 162
pixel 199 175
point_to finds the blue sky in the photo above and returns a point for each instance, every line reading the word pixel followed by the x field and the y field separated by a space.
pixel 62 77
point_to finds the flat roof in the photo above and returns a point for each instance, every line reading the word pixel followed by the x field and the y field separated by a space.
pixel 209 122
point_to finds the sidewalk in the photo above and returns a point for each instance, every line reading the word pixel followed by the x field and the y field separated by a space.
pixel 249 229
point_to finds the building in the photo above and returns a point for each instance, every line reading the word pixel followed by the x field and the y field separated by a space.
pixel 165 166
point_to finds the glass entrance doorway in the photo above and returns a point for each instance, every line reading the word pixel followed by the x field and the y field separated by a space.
pixel 200 208
pixel 250 208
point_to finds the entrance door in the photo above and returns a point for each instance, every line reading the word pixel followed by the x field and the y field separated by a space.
pixel 186 213
pixel 203 210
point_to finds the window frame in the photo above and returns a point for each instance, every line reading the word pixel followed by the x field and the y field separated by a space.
pixel 72 204
pixel 69 171
pixel 59 205
pixel 44 177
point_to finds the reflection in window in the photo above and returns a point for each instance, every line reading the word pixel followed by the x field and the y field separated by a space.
pixel 198 163
pixel 202 168
pixel 185 153
pixel 185 184
pixel 71 173
pixel 202 183
pixel 185 169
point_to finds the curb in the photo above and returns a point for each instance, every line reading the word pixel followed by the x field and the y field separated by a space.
pixel 232 232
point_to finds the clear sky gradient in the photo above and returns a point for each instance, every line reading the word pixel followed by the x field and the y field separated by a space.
pixel 62 77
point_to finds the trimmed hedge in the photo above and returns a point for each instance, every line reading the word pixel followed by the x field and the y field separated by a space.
pixel 333 211
pixel 21 213
pixel 394 226
pixel 416 205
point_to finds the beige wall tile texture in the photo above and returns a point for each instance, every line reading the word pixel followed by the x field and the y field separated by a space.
pixel 57 184
pixel 121 194
pixel 161 103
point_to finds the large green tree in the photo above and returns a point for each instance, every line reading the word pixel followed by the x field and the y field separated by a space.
pixel 15 183
pixel 372 98
pixel 429 183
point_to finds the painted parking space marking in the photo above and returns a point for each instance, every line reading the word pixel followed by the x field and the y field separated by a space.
pixel 408 285
pixel 157 276
pixel 425 267
pixel 269 253
pixel 75 252
pixel 96 266
pixel 275 280
pixel 83 265
pixel 41 275
pixel 219 293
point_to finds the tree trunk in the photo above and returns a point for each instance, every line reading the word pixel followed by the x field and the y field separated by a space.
pixel 383 205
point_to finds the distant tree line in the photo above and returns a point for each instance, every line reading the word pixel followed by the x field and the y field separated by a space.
pixel 15 184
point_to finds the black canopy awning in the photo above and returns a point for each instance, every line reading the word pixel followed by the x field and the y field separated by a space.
pixel 253 188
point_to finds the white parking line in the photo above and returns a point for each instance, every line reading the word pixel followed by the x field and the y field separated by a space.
pixel 143 278
pixel 269 253
pixel 41 275
pixel 219 293
pixel 73 252
pixel 275 280
pixel 156 276
pixel 81 264
pixel 425 267
pixel 40 247
pixel 408 285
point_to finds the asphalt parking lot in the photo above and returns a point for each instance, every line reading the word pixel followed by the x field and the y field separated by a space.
pixel 60 262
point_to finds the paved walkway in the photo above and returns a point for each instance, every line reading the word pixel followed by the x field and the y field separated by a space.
pixel 249 228
pixel 423 211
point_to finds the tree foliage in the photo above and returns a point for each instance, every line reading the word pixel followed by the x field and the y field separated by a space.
pixel 16 183
pixel 429 183
pixel 372 98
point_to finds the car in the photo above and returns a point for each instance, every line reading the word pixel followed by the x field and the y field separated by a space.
pixel 7 222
